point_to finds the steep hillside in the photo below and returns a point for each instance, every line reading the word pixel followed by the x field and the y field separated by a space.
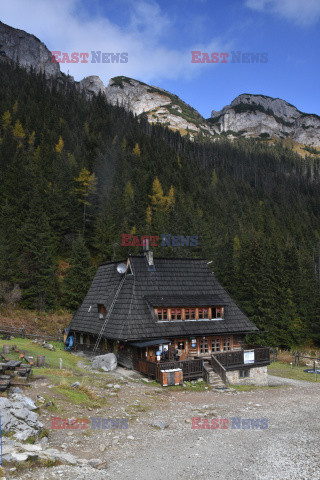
pixel 78 174
pixel 18 46
pixel 160 106
pixel 248 115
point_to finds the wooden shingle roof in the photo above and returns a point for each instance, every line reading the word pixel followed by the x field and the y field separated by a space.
pixel 184 300
pixel 176 280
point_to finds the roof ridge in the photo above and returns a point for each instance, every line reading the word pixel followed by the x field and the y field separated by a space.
pixel 111 263
pixel 172 258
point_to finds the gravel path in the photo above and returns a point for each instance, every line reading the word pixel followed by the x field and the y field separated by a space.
pixel 286 450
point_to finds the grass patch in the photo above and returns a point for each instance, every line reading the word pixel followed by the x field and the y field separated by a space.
pixel 154 383
pixel 83 395
pixel 296 373
pixel 36 463
pixel 69 361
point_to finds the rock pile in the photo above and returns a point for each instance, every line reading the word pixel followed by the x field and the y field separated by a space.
pixel 18 416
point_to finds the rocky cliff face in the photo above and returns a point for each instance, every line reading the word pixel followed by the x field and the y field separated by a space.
pixel 28 50
pixel 259 115
pixel 92 85
pixel 247 115
pixel 159 105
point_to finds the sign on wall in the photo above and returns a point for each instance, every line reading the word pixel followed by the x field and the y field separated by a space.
pixel 248 356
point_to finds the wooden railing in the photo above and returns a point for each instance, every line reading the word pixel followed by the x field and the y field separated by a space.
pixel 191 369
pixel 206 374
pixel 218 368
pixel 235 358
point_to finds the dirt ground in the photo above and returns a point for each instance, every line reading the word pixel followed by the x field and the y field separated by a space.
pixel 287 450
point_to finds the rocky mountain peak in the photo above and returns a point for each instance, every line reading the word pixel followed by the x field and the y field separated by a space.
pixel 260 115
pixel 247 115
pixel 19 46
pixel 159 105
pixel 92 85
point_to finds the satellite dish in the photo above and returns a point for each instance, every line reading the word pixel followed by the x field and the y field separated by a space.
pixel 121 268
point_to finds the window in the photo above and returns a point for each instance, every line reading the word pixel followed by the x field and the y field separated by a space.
pixel 227 343
pixel 102 310
pixel 188 313
pixel 215 345
pixel 162 314
pixel 244 373
pixel 217 312
pixel 204 345
pixel 181 346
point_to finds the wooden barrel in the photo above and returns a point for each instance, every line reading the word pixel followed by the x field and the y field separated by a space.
pixel 6 349
pixel 41 360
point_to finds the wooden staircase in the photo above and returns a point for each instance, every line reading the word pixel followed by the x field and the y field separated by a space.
pixel 213 378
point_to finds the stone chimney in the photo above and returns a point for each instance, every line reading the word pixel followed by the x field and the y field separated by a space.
pixel 149 257
pixel 147 252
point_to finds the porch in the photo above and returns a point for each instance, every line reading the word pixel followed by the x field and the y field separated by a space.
pixel 221 363
pixel 192 369
pixel 239 360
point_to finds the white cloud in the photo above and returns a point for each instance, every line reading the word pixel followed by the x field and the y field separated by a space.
pixel 301 12
pixel 63 26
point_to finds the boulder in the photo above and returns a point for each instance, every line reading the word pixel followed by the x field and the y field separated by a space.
pixel 160 424
pixel 17 416
pixel 106 362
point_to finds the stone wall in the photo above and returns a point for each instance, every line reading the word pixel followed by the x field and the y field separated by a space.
pixel 257 376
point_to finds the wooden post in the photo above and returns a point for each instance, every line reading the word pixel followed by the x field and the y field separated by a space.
pixel 41 360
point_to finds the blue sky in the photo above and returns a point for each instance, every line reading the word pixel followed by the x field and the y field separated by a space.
pixel 160 35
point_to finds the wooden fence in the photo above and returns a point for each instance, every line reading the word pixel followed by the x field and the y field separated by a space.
pixel 21 332
pixel 298 356
pixel 218 368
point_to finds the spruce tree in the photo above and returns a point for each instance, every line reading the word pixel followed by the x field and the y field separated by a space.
pixel 37 272
pixel 78 277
